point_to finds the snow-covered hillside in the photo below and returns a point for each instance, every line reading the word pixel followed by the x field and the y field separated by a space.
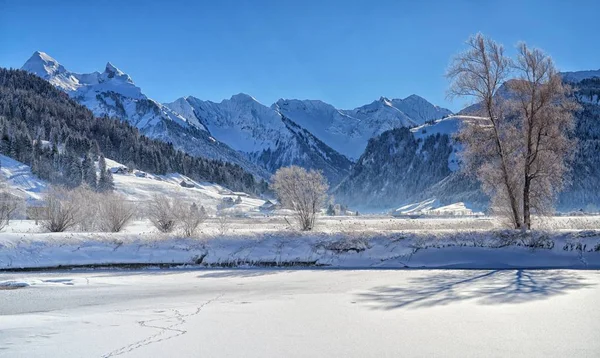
pixel 348 131
pixel 577 76
pixel 241 121
pixel 136 186
pixel 263 134
pixel 19 179
pixel 113 93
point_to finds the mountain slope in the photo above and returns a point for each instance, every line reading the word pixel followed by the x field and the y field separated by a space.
pixel 382 180
pixel 33 112
pixel 396 166
pixel 266 137
pixel 577 76
pixel 348 131
pixel 419 109
pixel 113 93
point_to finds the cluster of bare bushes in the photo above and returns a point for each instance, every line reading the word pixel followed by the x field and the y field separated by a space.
pixel 87 210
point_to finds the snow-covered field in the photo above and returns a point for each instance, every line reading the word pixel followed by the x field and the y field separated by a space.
pixel 302 313
pixel 337 242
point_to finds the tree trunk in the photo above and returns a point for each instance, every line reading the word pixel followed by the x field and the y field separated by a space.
pixel 526 204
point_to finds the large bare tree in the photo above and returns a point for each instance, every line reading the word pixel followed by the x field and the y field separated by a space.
pixel 544 109
pixel 302 191
pixel 521 134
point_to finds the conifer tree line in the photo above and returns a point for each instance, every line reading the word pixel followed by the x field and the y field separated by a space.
pixel 61 141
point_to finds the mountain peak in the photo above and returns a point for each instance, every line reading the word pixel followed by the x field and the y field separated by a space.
pixel 415 98
pixel 385 101
pixel 43 65
pixel 111 71
pixel 243 97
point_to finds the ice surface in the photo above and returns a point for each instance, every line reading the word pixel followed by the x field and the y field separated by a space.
pixel 303 313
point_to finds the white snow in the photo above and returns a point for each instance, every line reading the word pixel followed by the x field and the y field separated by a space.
pixel 136 186
pixel 303 313
pixel 241 122
pixel 20 179
pixel 348 131
pixel 394 249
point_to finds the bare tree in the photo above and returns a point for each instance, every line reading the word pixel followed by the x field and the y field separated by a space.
pixel 61 210
pixel 223 222
pixel 500 146
pixel 115 212
pixel 479 72
pixel 191 217
pixel 8 204
pixel 302 191
pixel 161 212
pixel 545 112
pixel 8 207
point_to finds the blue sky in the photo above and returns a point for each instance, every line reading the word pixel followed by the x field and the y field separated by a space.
pixel 347 53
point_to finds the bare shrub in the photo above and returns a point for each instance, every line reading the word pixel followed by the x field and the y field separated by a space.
pixel 87 219
pixel 61 211
pixel 161 212
pixel 302 191
pixel 115 212
pixel 223 222
pixel 191 217
pixel 9 205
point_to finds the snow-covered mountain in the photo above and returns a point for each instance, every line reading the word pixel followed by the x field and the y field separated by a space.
pixel 348 131
pixel 577 76
pixel 113 93
pixel 264 135
pixel 241 130
pixel 419 109
pixel 403 166
pixel 399 169
pixel 241 121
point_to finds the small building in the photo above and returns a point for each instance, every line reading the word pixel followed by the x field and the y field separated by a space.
pixel 186 184
pixel 268 206
pixel 119 170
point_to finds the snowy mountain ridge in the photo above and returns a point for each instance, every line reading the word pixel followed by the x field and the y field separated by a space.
pixel 310 133
pixel 112 92
pixel 264 135
pixel 348 131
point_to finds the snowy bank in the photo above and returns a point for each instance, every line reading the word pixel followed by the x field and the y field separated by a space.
pixel 496 249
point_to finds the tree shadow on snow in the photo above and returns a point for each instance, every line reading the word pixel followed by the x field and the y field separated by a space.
pixel 240 273
pixel 486 287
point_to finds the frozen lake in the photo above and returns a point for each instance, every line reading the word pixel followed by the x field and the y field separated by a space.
pixel 301 313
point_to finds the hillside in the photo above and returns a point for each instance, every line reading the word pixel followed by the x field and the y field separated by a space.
pixel 112 93
pixel 32 111
pixel 137 186
pixel 266 137
pixel 390 173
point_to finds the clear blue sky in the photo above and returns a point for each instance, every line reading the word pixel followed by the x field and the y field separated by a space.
pixel 347 53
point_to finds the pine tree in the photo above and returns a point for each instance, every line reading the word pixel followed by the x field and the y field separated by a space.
pixel 73 175
pixel 89 171
pixel 330 210
pixel 105 183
